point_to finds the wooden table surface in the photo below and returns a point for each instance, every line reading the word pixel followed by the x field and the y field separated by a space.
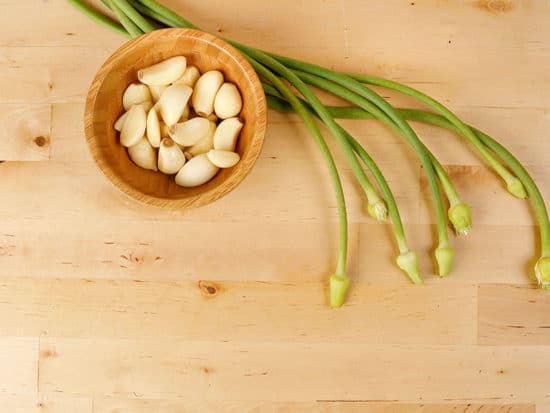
pixel 109 306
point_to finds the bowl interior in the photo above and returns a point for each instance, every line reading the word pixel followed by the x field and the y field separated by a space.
pixel 104 106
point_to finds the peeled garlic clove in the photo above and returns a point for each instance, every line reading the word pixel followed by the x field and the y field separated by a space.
pixel 172 103
pixel 171 158
pixel 189 77
pixel 197 171
pixel 135 94
pixel 120 121
pixel 223 159
pixel 133 127
pixel 205 92
pixel 190 132
pixel 204 145
pixel 153 128
pixel 143 155
pixel 163 73
pixel 227 133
pixel 156 91
pixel 228 102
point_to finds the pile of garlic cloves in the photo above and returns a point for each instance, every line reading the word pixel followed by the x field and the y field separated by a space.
pixel 181 122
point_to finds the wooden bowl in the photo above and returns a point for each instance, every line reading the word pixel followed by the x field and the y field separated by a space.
pixel 104 106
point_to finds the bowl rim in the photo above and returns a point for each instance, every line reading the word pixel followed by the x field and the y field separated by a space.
pixel 214 193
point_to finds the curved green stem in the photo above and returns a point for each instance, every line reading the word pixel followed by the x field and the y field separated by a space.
pixel 402 243
pixel 377 208
pixel 342 89
pixel 99 17
pixel 151 13
pixel 542 268
pixel 277 102
pixel 144 25
pixel 168 15
pixel 512 162
pixel 459 213
pixel 462 128
pixel 126 21
pixel 337 290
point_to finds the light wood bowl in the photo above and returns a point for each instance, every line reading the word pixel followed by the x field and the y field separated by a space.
pixel 104 106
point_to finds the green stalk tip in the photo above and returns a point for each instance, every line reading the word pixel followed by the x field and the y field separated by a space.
pixel 461 218
pixel 408 262
pixel 516 188
pixel 444 257
pixel 378 210
pixel 338 289
pixel 542 272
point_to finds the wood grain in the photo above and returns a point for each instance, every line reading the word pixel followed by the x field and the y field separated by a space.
pixel 19 361
pixel 121 331
pixel 24 132
pixel 260 311
pixel 195 370
pixel 45 403
pixel 512 314
pixel 112 405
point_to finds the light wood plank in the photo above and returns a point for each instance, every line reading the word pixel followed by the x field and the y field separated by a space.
pixel 111 405
pixel 18 404
pixel 543 408
pixel 50 403
pixel 64 26
pixel 195 370
pixel 278 252
pixel 172 250
pixel 513 314
pixel 56 403
pixel 19 361
pixel 49 74
pixel 25 132
pixel 292 312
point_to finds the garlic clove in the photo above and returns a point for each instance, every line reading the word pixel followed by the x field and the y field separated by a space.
pixel 227 134
pixel 163 73
pixel 223 159
pixel 190 132
pixel 173 102
pixel 205 91
pixel 156 91
pixel 228 102
pixel 120 121
pixel 133 127
pixel 143 155
pixel 170 158
pixel 204 145
pixel 135 94
pixel 189 77
pixel 153 128
pixel 195 172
